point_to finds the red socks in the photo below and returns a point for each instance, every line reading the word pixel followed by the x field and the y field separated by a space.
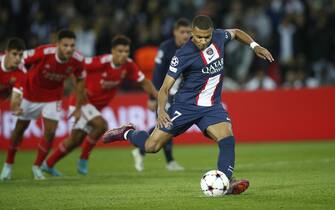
pixel 11 151
pixel 42 152
pixel 58 154
pixel 88 145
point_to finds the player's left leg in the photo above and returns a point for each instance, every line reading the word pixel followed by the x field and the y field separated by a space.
pixel 44 147
pixel 223 135
pixel 51 113
pixel 216 124
pixel 45 144
pixel 98 126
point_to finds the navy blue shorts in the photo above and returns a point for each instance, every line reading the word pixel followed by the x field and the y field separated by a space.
pixel 184 116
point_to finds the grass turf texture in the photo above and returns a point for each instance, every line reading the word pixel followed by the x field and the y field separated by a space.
pixel 282 176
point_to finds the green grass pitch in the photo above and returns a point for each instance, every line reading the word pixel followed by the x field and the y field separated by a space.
pixel 282 176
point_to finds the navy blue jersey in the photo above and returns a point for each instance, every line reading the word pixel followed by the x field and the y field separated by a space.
pixel 166 51
pixel 202 71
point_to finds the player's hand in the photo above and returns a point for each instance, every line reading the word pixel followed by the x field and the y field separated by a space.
pixel 107 85
pixel 76 114
pixel 17 111
pixel 163 120
pixel 152 105
pixel 263 53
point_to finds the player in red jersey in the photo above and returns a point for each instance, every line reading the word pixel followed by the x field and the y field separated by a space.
pixel 12 72
pixel 104 75
pixel 49 66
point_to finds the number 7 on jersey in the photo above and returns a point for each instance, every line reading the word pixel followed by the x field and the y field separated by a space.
pixel 177 114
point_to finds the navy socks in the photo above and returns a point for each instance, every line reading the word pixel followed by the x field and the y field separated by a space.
pixel 226 158
pixel 138 138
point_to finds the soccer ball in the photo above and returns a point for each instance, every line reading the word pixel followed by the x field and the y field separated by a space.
pixel 214 183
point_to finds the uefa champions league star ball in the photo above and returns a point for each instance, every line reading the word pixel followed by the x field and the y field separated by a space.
pixel 214 183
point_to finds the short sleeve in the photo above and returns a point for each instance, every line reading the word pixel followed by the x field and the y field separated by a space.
pixel 19 81
pixel 178 64
pixel 134 73
pixel 33 55
pixel 226 36
pixel 94 63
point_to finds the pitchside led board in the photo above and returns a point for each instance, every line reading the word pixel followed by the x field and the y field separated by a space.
pixel 279 115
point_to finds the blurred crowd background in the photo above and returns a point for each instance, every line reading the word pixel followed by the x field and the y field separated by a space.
pixel 299 33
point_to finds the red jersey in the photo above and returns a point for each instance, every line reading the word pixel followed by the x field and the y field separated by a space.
pixel 10 79
pixel 100 70
pixel 46 74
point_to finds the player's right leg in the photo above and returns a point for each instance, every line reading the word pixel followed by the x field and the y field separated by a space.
pixel 31 110
pixel 16 139
pixel 159 137
pixel 139 155
pixel 171 164
pixel 98 126
pixel 140 139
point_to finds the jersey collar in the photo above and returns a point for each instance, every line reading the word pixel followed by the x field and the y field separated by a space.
pixel 58 59
pixel 113 65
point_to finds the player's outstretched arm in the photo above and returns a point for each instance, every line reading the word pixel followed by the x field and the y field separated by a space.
pixel 246 39
pixel 163 119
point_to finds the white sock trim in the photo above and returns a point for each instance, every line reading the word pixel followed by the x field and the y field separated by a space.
pixel 126 133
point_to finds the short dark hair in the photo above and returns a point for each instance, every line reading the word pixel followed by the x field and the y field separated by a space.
pixel 65 33
pixel 15 44
pixel 202 22
pixel 181 22
pixel 120 40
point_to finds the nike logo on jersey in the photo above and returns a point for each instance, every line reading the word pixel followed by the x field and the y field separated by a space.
pixel 210 54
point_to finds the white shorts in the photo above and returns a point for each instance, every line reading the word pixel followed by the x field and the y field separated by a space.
pixel 88 112
pixel 32 110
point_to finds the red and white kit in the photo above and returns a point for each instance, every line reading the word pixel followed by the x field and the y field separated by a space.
pixel 43 88
pixel 102 81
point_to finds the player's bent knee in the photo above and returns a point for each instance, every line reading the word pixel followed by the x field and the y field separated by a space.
pixel 99 123
pixel 152 147
pixel 220 132
pixel 104 126
pixel 224 135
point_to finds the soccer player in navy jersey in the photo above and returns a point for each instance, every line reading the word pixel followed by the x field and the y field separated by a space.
pixel 198 101
pixel 167 49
